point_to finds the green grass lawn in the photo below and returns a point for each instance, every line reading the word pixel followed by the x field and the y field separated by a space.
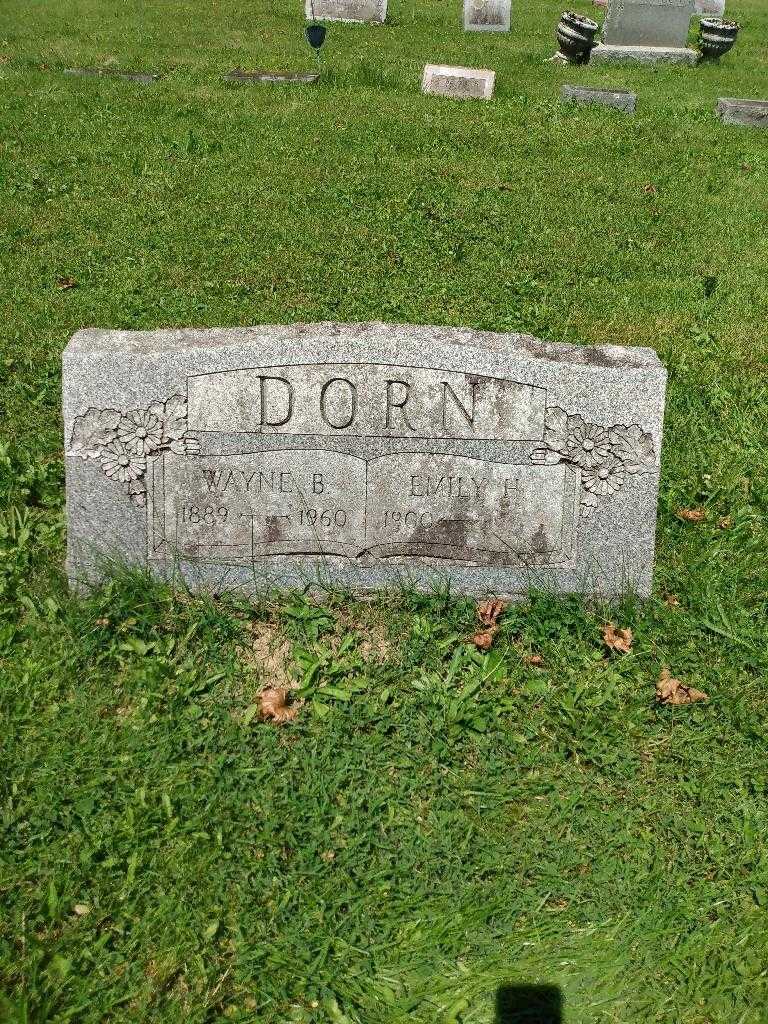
pixel 437 825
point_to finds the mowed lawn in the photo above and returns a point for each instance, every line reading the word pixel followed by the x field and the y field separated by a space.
pixel 438 826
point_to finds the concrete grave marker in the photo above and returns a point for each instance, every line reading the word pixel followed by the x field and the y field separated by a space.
pixel 362 455
pixel 276 77
pixel 458 83
pixel 646 30
pixel 487 15
pixel 584 95
pixel 374 11
pixel 144 77
pixel 752 113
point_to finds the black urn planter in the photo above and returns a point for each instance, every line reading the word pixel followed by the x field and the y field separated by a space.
pixel 576 36
pixel 315 35
pixel 716 37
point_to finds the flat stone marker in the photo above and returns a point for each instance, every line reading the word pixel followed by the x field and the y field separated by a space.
pixel 278 77
pixel 373 11
pixel 649 30
pixel 753 113
pixel 487 15
pixel 363 455
pixel 144 77
pixel 458 83
pixel 619 98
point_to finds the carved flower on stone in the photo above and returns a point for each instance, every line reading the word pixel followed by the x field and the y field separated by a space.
pixel 121 464
pixel 605 478
pixel 633 446
pixel 140 431
pixel 587 445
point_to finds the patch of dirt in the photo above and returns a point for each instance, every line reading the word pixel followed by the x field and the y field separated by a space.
pixel 374 642
pixel 270 656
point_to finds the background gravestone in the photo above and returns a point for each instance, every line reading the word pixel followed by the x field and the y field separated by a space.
pixel 487 15
pixel 648 22
pixel 714 8
pixel 458 83
pixel 362 455
pixel 347 10
pixel 752 113
pixel 621 99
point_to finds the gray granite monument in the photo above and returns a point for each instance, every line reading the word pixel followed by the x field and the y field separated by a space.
pixel 458 83
pixel 487 15
pixel 364 455
pixel 646 31
pixel 374 11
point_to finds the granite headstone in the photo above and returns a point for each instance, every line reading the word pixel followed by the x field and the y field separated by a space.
pixel 647 32
pixel 711 8
pixel 363 455
pixel 374 11
pixel 487 15
pixel 458 83
pixel 584 95
pixel 648 22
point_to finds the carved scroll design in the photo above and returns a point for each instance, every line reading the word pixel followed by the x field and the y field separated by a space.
pixel 121 441
pixel 604 455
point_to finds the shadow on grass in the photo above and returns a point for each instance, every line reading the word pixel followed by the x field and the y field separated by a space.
pixel 529 1004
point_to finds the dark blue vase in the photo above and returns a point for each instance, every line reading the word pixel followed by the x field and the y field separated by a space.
pixel 315 35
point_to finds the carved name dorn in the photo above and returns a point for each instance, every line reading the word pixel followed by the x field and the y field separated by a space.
pixel 362 455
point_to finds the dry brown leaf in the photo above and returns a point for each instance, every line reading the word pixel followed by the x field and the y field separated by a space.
pixel 64 283
pixel 617 639
pixel 328 856
pixel 535 660
pixel 692 515
pixel 725 523
pixel 484 639
pixel 649 189
pixel 672 600
pixel 671 691
pixel 489 611
pixel 274 705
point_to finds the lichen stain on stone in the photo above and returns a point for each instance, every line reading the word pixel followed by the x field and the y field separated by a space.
pixel 453 533
pixel 274 529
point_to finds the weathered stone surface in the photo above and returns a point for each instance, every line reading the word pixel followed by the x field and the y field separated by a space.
pixel 363 455
pixel 604 54
pixel 487 15
pixel 648 22
pixel 753 113
pixel 374 11
pixel 144 77
pixel 277 77
pixel 619 98
pixel 458 83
